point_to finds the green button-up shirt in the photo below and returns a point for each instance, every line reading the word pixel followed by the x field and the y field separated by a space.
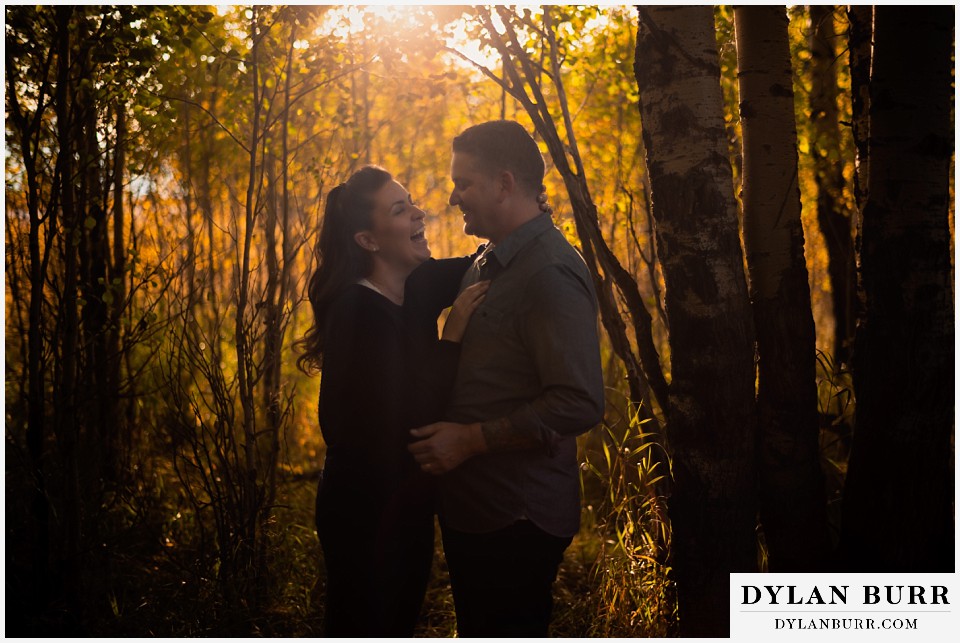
pixel 530 354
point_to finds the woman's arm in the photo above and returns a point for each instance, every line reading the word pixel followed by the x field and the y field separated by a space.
pixel 433 363
pixel 363 383
pixel 435 284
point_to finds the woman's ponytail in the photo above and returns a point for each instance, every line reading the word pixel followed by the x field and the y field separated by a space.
pixel 339 260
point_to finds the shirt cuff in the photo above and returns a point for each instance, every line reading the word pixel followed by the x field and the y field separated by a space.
pixel 528 424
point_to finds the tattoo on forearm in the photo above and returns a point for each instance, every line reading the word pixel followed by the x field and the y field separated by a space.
pixel 501 435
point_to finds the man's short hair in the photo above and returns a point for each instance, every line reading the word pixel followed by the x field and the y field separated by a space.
pixel 504 145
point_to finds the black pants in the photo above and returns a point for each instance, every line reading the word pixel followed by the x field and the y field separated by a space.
pixel 378 550
pixel 502 581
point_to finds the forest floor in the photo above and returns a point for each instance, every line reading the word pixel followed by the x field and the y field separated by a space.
pixel 152 580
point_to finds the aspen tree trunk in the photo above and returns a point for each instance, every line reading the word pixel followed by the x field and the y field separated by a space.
pixel 278 287
pixel 202 152
pixel 66 425
pixel 860 46
pixel 25 129
pixel 360 112
pixel 791 492
pixel 186 162
pixel 118 289
pixel 210 289
pixel 36 419
pixel 835 220
pixel 711 412
pixel 97 427
pixel 272 354
pixel 899 493
pixel 247 509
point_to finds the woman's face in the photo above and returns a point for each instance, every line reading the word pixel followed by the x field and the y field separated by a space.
pixel 397 229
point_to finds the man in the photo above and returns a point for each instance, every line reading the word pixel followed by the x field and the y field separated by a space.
pixel 529 382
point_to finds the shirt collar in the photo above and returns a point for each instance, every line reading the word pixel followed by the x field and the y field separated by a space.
pixel 507 249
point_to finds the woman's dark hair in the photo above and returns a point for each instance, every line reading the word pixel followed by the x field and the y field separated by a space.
pixel 340 261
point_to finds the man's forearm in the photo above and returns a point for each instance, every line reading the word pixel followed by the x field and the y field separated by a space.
pixel 502 435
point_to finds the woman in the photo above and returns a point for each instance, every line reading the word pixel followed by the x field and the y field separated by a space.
pixel 376 296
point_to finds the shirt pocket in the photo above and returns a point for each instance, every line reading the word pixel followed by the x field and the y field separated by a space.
pixel 488 318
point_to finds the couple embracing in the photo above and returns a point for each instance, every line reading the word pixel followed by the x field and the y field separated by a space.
pixel 478 426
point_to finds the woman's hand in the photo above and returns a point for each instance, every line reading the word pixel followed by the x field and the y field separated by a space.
pixel 463 309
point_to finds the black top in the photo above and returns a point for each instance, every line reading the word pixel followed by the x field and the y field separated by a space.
pixel 385 372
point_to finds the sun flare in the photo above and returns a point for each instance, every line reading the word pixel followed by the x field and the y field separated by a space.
pixel 402 20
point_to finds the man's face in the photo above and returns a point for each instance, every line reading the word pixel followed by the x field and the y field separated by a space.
pixel 474 192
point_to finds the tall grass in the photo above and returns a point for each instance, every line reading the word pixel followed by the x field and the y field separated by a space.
pixel 836 404
pixel 634 594
pixel 615 580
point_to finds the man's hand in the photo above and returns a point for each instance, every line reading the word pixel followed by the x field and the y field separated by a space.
pixel 442 446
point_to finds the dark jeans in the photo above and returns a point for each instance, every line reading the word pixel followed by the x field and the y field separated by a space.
pixel 377 548
pixel 502 581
